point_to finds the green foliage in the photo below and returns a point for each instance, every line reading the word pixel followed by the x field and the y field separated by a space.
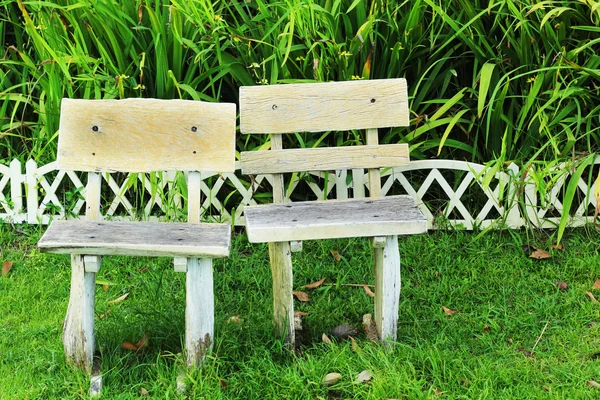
pixel 489 81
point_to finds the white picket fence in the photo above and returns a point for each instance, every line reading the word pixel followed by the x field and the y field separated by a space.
pixel 40 194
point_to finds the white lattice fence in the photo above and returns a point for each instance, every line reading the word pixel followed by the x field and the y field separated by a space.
pixel 448 192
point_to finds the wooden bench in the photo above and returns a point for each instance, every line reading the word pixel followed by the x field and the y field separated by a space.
pixel 142 135
pixel 320 107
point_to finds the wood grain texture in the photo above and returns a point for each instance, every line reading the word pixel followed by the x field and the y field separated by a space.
pixel 318 107
pixel 374 173
pixel 78 328
pixel 199 310
pixel 394 215
pixel 137 238
pixel 387 288
pixel 141 135
pixel 323 159
pixel 283 302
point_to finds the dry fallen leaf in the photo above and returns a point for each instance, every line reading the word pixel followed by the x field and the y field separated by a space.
pixel 561 285
pixel 343 331
pixel 302 296
pixel 593 384
pixel 370 328
pixel 355 346
pixel 144 392
pixel 448 311
pixel 596 284
pixel 336 255
pixel 364 376
pixel 118 299
pixel 437 391
pixel 6 266
pixel 326 339
pixel 301 313
pixel 314 285
pixel 540 254
pixel 332 378
pixel 105 287
pixel 143 342
pixel 558 247
pixel 235 319
pixel 368 291
pixel 592 298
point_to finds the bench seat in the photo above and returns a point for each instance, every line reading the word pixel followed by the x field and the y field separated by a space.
pixel 137 238
pixel 281 222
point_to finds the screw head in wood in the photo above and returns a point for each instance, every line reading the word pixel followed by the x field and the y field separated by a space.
pixel 373 100
pixel 95 128
pixel 194 129
pixel 274 107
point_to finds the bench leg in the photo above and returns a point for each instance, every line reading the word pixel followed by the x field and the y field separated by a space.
pixel 78 329
pixel 387 288
pixel 283 303
pixel 199 310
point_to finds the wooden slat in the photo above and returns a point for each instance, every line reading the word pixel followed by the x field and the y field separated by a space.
pixel 394 215
pixel 318 107
pixel 137 238
pixel 140 135
pixel 323 159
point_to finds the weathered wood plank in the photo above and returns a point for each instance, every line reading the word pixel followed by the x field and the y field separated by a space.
pixel 323 159
pixel 374 173
pixel 199 310
pixel 387 288
pixel 137 238
pixel 181 135
pixel 318 107
pixel 78 328
pixel 393 215
pixel 283 302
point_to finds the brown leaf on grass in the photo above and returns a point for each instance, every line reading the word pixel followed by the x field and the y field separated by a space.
pixel 235 319
pixel 336 255
pixel 596 284
pixel 144 392
pixel 486 329
pixel 144 269
pixel 143 342
pixel 300 313
pixel 223 383
pixel 558 247
pixel 119 299
pixel 561 285
pixel 6 266
pixel 314 285
pixel 302 296
pixel 448 311
pixel 368 291
pixel 355 346
pixel 437 391
pixel 540 254
pixel 526 352
pixel 105 287
pixel 326 339
pixel 593 384
pixel 364 376
pixel 592 298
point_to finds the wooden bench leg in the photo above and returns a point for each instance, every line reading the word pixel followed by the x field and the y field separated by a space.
pixel 283 303
pixel 387 288
pixel 78 329
pixel 199 310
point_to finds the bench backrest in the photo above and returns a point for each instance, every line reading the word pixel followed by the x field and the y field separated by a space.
pixel 320 107
pixel 143 135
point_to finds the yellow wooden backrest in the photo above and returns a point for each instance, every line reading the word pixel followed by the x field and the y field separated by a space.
pixel 141 135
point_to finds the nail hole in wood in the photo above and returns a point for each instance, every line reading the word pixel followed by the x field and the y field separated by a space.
pixel 194 129
pixel 95 128
pixel 274 107
pixel 92 237
pixel 373 100
pixel 369 201
pixel 93 154
pixel 289 206
pixel 375 216
pixel 294 220
pixel 194 151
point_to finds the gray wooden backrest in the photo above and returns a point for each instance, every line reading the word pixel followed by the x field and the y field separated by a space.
pixel 143 135
pixel 319 107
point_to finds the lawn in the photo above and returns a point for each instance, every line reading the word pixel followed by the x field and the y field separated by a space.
pixel 516 334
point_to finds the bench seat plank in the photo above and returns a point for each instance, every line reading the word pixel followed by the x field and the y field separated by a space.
pixel 393 215
pixel 137 238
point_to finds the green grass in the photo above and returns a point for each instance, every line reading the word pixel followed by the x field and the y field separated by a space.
pixel 504 302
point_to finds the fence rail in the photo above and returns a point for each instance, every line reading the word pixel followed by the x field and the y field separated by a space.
pixel 448 192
